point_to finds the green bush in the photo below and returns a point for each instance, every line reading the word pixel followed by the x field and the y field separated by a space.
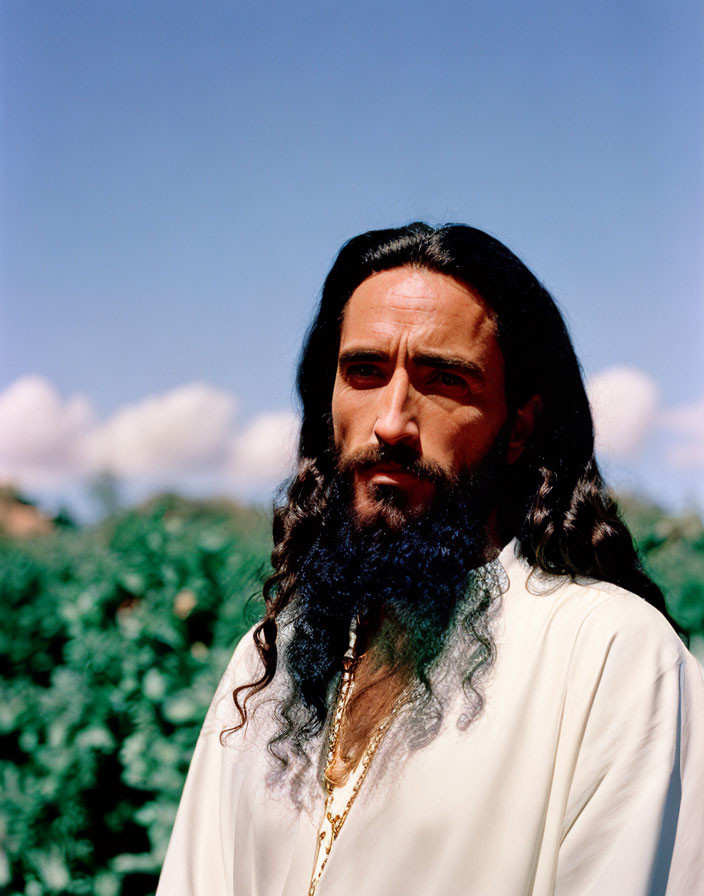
pixel 112 643
pixel 672 550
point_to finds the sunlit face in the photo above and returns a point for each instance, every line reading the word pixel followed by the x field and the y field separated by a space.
pixel 419 366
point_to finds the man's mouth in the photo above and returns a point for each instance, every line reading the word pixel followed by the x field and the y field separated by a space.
pixel 389 472
pixel 392 474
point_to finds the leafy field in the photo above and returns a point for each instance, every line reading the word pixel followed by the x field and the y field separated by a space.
pixel 112 643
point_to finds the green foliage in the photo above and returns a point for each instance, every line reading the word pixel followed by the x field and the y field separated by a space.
pixel 112 644
pixel 672 550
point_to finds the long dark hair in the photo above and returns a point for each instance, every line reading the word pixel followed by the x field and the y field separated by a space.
pixel 555 500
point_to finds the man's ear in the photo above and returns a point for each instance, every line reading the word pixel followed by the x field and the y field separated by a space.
pixel 524 421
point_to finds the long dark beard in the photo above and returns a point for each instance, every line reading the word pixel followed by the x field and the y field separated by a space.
pixel 405 576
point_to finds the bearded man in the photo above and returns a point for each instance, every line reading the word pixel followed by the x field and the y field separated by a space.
pixel 463 681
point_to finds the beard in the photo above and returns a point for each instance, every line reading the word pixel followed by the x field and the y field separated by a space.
pixel 404 572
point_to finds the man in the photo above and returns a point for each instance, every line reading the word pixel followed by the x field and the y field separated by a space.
pixel 463 681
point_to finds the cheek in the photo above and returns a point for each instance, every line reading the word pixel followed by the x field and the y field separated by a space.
pixel 338 429
pixel 342 414
pixel 459 440
pixel 354 415
pixel 446 438
pixel 337 410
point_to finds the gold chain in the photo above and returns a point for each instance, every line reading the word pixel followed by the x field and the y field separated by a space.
pixel 349 663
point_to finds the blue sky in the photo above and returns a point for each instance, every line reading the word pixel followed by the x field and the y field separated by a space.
pixel 177 177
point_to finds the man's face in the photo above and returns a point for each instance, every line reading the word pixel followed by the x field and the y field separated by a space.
pixel 421 376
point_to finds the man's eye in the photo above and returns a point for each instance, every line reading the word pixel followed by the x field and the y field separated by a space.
pixel 362 372
pixel 449 381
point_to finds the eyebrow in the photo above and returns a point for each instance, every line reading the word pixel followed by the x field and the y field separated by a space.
pixel 447 362
pixel 361 354
pixel 425 359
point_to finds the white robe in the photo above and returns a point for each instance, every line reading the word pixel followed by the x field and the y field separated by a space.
pixel 583 776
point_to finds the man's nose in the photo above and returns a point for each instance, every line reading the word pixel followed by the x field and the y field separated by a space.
pixel 396 421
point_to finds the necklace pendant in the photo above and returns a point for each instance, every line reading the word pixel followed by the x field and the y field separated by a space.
pixel 337 771
pixel 335 824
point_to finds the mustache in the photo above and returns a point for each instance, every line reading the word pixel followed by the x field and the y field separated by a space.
pixel 402 456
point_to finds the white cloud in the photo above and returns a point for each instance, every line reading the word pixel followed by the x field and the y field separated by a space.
pixel 188 434
pixel 686 423
pixel 626 409
pixel 40 432
pixel 624 404
pixel 184 430
pixel 266 449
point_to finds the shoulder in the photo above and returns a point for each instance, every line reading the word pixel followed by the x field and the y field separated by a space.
pixel 634 641
pixel 618 616
pixel 244 666
pixel 589 616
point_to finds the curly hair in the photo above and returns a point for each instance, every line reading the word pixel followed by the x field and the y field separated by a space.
pixel 554 498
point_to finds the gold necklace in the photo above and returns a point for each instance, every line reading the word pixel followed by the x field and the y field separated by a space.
pixel 349 662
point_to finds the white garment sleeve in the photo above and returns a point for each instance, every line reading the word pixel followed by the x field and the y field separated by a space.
pixel 634 820
pixel 194 863
pixel 198 859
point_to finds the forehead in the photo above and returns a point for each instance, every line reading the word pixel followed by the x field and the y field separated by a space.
pixel 426 308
